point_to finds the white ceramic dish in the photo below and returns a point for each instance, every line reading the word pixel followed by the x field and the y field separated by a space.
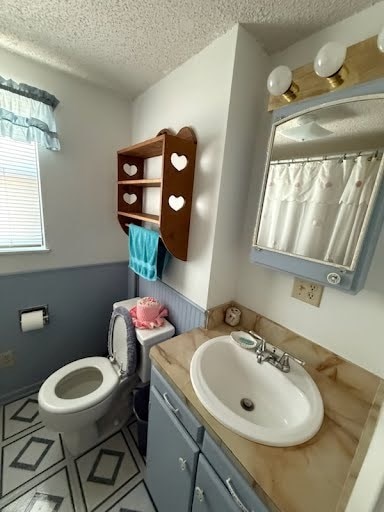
pixel 244 340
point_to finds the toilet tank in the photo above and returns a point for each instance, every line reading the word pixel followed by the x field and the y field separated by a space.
pixel 147 338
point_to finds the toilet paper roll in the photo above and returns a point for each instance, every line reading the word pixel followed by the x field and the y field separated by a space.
pixel 32 320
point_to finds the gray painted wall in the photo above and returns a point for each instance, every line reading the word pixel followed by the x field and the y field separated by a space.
pixel 80 302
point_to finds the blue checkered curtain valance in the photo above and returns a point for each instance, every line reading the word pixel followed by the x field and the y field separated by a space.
pixel 26 114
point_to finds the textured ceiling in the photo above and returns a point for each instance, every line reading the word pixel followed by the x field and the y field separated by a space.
pixel 355 126
pixel 128 45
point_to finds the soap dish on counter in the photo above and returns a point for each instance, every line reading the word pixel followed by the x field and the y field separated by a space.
pixel 244 339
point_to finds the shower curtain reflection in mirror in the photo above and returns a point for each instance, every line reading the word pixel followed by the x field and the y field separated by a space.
pixel 316 208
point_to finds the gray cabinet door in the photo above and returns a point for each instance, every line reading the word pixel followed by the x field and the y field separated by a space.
pixel 184 415
pixel 210 493
pixel 171 459
pixel 231 477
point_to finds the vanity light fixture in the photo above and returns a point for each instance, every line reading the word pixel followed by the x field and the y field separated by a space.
pixel 280 83
pixel 380 40
pixel 329 63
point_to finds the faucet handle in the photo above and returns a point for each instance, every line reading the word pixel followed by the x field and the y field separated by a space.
pixel 255 336
pixel 262 345
pixel 284 361
pixel 296 359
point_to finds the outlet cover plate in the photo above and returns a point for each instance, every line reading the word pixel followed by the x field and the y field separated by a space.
pixel 308 292
pixel 7 359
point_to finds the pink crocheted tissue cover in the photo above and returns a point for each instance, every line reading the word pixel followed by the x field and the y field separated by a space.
pixel 148 313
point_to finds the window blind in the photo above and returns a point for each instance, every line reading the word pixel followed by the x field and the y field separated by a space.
pixel 21 220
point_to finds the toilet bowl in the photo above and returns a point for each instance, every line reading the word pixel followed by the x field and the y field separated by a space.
pixel 90 398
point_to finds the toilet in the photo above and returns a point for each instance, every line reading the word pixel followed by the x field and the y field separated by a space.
pixel 90 398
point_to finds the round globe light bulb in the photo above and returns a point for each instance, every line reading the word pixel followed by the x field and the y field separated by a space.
pixel 279 80
pixel 380 40
pixel 330 59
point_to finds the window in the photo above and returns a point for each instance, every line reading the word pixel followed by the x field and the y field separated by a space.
pixel 21 215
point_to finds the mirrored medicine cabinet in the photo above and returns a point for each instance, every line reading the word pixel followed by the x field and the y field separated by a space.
pixel 322 200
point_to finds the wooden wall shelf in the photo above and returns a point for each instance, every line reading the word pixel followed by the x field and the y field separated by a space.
pixel 156 182
pixel 178 154
pixel 146 217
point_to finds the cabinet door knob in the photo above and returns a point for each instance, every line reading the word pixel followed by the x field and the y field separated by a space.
pixel 183 463
pixel 199 494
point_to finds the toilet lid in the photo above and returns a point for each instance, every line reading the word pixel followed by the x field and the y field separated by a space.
pixel 122 341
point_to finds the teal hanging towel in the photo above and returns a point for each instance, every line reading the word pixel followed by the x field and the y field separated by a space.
pixel 147 254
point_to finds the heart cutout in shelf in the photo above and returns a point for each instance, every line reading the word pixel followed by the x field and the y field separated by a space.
pixel 176 203
pixel 131 170
pixel 130 198
pixel 179 162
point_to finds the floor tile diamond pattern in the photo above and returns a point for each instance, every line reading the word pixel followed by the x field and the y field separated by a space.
pixel 100 465
pixel 105 469
pixel 136 498
pixel 19 416
pixel 37 474
pixel 52 495
pixel 28 412
pixel 27 457
pixel 30 447
pixel 44 501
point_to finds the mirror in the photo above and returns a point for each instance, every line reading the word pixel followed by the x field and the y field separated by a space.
pixel 323 174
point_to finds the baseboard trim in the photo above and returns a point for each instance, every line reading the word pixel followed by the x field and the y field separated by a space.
pixel 19 393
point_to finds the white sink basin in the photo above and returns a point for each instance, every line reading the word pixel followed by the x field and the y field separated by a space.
pixel 288 408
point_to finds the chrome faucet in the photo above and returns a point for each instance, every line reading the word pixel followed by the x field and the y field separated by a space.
pixel 283 362
pixel 264 354
pixel 257 337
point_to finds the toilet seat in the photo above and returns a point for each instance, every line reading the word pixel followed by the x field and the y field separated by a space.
pixel 54 404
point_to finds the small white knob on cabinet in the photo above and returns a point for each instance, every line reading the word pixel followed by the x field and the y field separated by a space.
pixel 199 494
pixel 333 278
pixel 183 463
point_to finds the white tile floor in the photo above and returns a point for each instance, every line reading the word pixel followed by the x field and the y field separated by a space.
pixel 37 474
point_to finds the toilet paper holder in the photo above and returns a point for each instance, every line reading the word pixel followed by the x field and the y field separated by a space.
pixel 36 308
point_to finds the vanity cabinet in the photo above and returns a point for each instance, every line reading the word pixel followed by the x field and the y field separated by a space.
pixel 177 407
pixel 232 483
pixel 186 469
pixel 171 458
pixel 210 493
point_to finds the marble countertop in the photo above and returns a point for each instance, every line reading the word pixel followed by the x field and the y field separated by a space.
pixel 317 476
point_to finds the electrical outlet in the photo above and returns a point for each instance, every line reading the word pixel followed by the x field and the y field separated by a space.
pixel 308 292
pixel 7 359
